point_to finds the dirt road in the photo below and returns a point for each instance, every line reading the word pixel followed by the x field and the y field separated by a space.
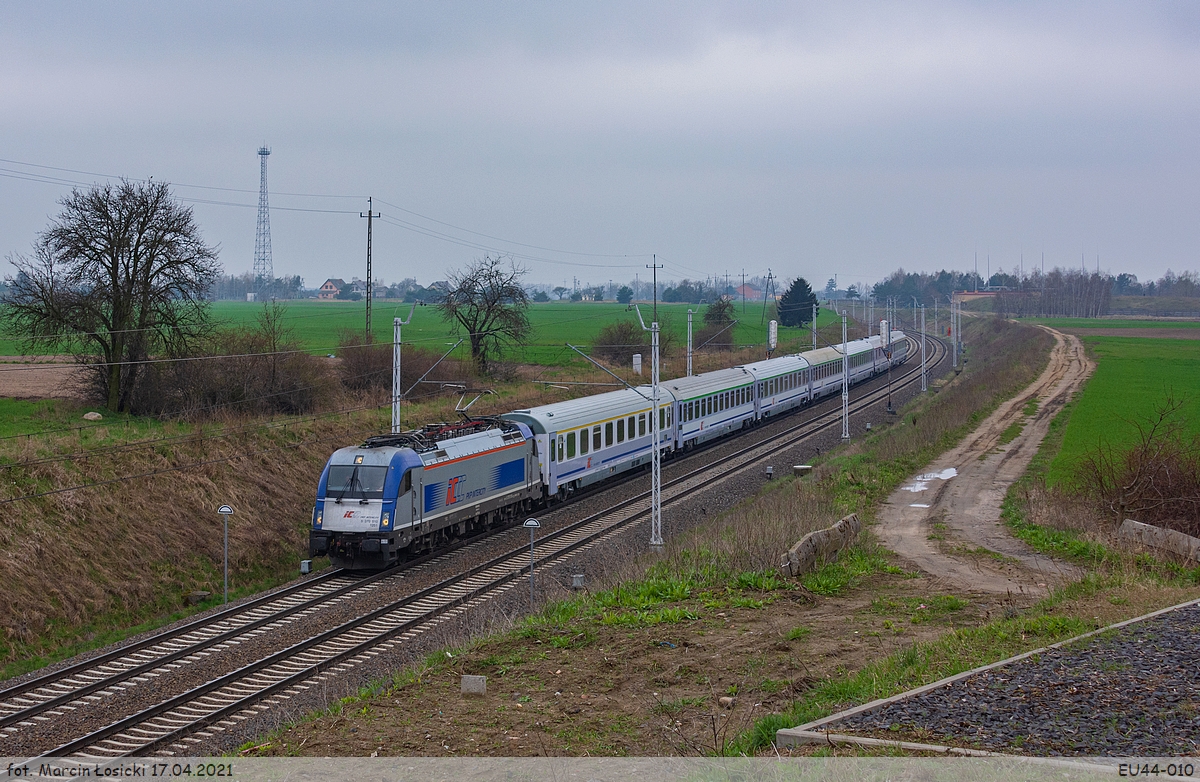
pixel 38 377
pixel 947 521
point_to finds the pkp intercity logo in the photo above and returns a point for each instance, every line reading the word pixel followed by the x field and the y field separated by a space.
pixel 452 489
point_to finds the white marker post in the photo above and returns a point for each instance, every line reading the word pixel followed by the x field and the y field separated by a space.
pixel 533 525
pixel 226 512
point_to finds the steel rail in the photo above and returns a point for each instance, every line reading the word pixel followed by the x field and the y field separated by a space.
pixel 56 680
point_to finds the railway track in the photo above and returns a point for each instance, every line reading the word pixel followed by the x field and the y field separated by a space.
pixel 183 720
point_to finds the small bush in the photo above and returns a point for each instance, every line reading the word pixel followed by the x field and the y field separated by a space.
pixel 1155 480
pixel 617 342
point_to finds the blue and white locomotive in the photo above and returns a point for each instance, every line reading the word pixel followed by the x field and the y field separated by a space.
pixel 404 494
pixel 397 496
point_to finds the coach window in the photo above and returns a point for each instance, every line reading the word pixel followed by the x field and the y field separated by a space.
pixel 571 445
pixel 596 438
pixel 560 447
pixel 632 424
pixel 641 424
pixel 583 442
pixel 608 434
pixel 621 430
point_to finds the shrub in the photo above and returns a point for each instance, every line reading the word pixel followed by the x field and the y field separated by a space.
pixel 617 342
pixel 1155 480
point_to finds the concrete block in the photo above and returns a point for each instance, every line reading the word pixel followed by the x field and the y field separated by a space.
pixel 817 548
pixel 799 470
pixel 1138 534
pixel 474 685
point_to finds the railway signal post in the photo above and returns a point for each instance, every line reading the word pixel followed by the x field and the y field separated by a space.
pixel 226 512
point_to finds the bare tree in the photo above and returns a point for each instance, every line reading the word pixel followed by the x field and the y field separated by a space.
pixel 487 300
pixel 119 275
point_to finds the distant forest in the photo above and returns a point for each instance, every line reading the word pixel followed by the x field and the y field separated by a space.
pixel 1057 293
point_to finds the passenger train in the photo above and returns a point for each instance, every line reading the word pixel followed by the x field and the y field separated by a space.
pixel 398 496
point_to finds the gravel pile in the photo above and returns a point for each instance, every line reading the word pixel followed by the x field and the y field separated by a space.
pixel 1132 691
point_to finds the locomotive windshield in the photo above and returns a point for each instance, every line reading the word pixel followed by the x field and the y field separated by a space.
pixel 356 482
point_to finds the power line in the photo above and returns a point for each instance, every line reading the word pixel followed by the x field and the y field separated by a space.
pixel 510 241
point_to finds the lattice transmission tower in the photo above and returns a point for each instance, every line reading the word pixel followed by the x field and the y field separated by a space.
pixel 264 267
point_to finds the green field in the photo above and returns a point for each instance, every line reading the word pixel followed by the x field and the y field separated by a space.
pixel 1071 324
pixel 1133 377
pixel 317 325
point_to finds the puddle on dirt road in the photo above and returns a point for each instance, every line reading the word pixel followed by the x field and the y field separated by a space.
pixel 921 482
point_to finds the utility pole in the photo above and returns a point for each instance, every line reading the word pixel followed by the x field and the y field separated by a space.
pixel 369 215
pixel 396 389
pixel 845 384
pixel 924 382
pixel 887 351
pixel 814 325
pixel 655 266
pixel 743 292
pixel 766 292
pixel 953 331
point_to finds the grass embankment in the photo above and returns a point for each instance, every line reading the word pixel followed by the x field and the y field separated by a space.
pixel 87 566
pixel 639 667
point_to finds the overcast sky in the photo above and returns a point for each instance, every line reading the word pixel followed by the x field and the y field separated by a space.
pixel 811 139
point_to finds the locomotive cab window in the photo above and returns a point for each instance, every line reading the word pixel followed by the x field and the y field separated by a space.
pixel 406 483
pixel 356 481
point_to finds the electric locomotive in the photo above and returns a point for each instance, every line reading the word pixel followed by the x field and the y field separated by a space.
pixel 401 495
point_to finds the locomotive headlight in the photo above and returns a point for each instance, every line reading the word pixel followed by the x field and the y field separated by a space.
pixel 387 519
pixel 317 519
